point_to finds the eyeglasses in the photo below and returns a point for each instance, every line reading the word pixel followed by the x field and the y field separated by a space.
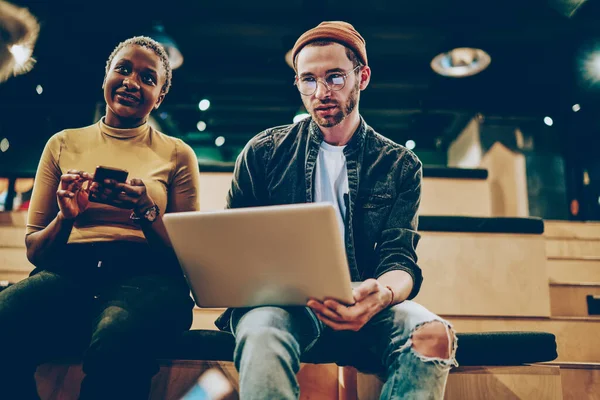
pixel 307 85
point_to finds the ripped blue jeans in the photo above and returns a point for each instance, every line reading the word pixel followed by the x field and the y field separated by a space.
pixel 271 340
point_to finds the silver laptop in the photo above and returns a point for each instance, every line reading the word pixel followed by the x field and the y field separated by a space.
pixel 276 255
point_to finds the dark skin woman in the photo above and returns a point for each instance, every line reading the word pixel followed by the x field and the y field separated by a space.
pixel 107 286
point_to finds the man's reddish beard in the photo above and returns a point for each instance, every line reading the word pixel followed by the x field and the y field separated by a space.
pixel 340 115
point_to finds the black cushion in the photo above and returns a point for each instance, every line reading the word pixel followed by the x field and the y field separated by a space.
pixel 532 226
pixel 454 173
pixel 490 348
pixel 216 166
pixel 505 348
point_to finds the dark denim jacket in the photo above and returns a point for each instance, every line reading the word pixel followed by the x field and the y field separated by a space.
pixel 277 167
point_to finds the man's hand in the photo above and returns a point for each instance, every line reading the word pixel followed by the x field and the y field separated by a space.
pixel 370 298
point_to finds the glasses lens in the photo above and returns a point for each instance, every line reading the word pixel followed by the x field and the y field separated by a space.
pixel 335 81
pixel 306 86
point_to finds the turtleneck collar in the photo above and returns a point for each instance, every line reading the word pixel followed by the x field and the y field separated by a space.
pixel 123 133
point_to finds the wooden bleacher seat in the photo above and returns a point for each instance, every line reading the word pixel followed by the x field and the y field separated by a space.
pixel 199 350
pixel 455 191
pixel 573 251
pixel 491 266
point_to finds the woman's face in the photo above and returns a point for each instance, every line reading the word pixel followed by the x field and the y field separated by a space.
pixel 133 86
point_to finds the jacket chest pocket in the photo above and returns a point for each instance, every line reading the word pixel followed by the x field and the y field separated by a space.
pixel 373 209
pixel 374 201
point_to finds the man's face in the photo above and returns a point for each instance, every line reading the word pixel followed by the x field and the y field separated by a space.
pixel 328 108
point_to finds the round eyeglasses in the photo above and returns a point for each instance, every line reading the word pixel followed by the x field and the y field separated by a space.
pixel 334 81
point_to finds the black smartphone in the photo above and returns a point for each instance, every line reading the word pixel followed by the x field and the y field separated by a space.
pixel 102 173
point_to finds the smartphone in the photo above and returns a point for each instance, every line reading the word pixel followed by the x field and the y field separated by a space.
pixel 102 173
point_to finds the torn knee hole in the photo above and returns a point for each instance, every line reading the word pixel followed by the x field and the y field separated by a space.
pixel 433 340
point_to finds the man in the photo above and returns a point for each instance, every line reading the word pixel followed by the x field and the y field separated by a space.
pixel 376 184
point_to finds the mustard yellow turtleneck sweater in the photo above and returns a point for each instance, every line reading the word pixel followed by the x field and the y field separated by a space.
pixel 167 166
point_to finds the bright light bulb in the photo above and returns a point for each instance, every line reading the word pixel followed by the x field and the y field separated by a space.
pixel 204 104
pixel 220 141
pixel 21 54
pixel 201 125
pixel 4 145
pixel 39 89
pixel 410 144
pixel 548 121
pixel 576 107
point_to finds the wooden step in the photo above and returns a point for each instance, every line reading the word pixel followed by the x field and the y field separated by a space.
pixel 484 274
pixel 446 196
pixel 214 187
pixel 62 381
pixel 475 383
pixel 326 381
pixel 13 218
pixel 572 230
pixel 12 236
pixel 573 249
pixel 440 196
pixel 573 270
pixel 576 337
pixel 570 300
pixel 579 380
pixel 14 259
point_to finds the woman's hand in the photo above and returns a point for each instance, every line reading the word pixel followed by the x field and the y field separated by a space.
pixel 72 196
pixel 131 195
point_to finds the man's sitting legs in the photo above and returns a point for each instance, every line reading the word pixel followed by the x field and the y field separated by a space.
pixel 269 343
pixel 416 347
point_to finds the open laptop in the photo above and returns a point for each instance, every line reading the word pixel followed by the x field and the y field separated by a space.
pixel 275 255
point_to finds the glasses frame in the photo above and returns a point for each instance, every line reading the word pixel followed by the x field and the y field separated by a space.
pixel 344 75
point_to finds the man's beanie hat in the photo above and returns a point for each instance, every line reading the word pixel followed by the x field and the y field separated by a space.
pixel 336 31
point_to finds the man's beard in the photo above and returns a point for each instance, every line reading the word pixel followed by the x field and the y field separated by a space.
pixel 340 115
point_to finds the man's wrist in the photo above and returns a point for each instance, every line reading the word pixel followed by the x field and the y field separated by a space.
pixel 391 302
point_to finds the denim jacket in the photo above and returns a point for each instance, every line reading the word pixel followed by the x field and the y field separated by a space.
pixel 277 166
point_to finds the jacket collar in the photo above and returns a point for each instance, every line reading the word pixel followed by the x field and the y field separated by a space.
pixel 355 143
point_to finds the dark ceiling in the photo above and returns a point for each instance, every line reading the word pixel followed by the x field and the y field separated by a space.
pixel 234 56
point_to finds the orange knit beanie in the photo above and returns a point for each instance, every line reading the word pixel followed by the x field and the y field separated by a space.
pixel 336 31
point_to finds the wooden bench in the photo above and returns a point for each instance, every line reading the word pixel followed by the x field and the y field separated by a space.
pixel 483 266
pixel 573 251
pixel 320 378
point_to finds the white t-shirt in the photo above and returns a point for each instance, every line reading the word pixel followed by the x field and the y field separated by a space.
pixel 331 180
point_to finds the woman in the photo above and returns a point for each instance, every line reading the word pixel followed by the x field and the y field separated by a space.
pixel 106 280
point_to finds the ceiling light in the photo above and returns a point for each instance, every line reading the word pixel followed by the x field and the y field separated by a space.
pixel 220 141
pixel 461 62
pixel 576 107
pixel 548 121
pixel 175 56
pixel 204 104
pixel 201 125
pixel 4 145
pixel 18 34
pixel 410 144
